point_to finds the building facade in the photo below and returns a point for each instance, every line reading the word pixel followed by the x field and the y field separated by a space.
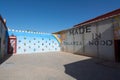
pixel 98 37
pixel 3 38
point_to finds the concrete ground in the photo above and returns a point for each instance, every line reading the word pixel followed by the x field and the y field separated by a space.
pixel 57 66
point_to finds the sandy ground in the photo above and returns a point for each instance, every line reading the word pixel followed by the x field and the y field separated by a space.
pixel 57 66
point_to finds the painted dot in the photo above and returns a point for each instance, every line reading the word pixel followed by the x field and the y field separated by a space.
pixel 25 44
pixel 24 37
pixel 24 50
pixel 19 47
pixel 19 40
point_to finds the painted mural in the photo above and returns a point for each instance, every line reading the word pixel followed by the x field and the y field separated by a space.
pixel 33 42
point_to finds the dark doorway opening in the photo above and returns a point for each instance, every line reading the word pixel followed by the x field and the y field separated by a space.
pixel 117 50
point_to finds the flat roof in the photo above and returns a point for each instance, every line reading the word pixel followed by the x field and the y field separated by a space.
pixel 101 17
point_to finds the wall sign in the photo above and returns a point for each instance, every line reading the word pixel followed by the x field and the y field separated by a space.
pixel 81 30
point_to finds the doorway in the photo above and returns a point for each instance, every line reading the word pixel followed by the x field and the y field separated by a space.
pixel 117 50
pixel 12 45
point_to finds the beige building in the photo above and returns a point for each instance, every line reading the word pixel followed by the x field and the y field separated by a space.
pixel 98 37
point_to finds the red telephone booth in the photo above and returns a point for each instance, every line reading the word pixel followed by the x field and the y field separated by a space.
pixel 12 44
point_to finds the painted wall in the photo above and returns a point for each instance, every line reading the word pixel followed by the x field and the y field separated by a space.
pixel 3 38
pixel 96 39
pixel 116 23
pixel 34 42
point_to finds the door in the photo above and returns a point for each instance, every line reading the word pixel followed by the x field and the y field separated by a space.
pixel 12 45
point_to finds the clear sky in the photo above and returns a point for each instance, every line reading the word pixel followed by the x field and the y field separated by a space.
pixel 52 15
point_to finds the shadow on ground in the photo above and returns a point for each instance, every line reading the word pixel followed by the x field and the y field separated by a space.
pixel 8 55
pixel 5 58
pixel 91 69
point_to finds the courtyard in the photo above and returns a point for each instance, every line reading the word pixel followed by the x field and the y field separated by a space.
pixel 57 66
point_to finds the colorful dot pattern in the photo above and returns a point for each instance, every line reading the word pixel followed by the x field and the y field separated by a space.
pixel 35 43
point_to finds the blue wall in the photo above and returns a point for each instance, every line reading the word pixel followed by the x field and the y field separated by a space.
pixel 34 42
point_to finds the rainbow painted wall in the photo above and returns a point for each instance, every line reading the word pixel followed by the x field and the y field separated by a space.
pixel 34 42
